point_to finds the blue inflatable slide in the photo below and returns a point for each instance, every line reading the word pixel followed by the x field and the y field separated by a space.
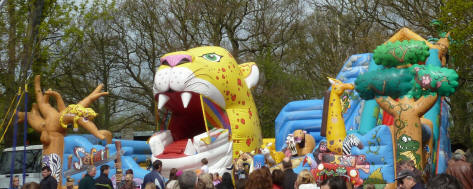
pixel 361 119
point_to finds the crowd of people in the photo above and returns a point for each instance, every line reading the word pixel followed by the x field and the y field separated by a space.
pixel 459 175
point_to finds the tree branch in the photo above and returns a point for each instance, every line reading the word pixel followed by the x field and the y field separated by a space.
pixel 387 104
pixel 44 107
pixel 34 119
pixel 93 96
pixel 424 103
pixel 107 134
pixel 60 102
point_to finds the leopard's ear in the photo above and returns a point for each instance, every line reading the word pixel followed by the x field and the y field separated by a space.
pixel 250 72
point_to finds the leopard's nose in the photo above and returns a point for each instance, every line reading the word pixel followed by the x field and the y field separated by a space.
pixel 176 59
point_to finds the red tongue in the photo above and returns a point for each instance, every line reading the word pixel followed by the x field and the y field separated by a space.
pixel 174 150
pixel 176 147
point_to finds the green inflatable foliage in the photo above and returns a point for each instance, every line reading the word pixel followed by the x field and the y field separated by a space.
pixel 413 82
pixel 432 79
pixel 401 53
pixel 387 82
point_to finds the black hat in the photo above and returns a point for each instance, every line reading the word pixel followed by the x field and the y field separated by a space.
pixel 405 173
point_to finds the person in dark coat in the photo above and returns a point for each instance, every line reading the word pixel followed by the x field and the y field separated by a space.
pixel 88 181
pixel 155 176
pixel 48 182
pixel 226 182
pixel 442 181
pixel 289 175
pixel 103 182
pixel 406 179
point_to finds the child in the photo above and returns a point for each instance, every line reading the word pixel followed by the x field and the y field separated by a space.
pixel 205 168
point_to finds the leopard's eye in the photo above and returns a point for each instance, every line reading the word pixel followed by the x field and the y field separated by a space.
pixel 212 57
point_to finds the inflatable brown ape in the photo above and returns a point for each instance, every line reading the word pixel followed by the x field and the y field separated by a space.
pixel 52 123
pixel 305 143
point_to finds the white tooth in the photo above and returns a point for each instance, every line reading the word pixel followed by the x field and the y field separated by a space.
pixel 186 98
pixel 162 99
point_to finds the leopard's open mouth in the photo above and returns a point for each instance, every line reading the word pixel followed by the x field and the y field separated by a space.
pixel 189 124
pixel 187 119
pixel 179 91
pixel 182 145
pixel 192 133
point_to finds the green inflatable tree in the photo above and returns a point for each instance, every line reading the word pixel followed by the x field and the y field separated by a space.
pixel 416 86
pixel 401 53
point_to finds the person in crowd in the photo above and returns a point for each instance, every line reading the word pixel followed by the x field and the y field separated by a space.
pixel 31 185
pixel 410 165
pixel 155 176
pixel 150 185
pixel 172 174
pixel 240 171
pixel 88 181
pixel 240 183
pixel 187 180
pixel 205 181
pixel 289 175
pixel 172 182
pixel 149 164
pixel 370 186
pixel 128 183
pixel 103 182
pixel 259 179
pixel 461 169
pixel 240 174
pixel 226 182
pixel 277 177
pixel 217 179
pixel 16 182
pixel 48 182
pixel 444 181
pixel 129 172
pixel 266 172
pixel 334 183
pixel 406 179
pixel 69 182
pixel 304 177
pixel 204 168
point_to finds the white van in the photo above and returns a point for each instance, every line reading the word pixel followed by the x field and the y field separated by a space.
pixel 33 164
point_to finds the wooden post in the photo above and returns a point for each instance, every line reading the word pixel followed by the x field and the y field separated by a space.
pixel 118 163
pixel 69 162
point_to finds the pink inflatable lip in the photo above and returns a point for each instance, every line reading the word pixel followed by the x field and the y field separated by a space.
pixel 174 60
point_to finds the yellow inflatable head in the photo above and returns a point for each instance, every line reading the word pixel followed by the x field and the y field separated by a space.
pixel 338 87
pixel 208 81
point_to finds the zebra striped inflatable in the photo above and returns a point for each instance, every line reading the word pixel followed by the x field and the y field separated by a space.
pixel 350 141
pixel 54 163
